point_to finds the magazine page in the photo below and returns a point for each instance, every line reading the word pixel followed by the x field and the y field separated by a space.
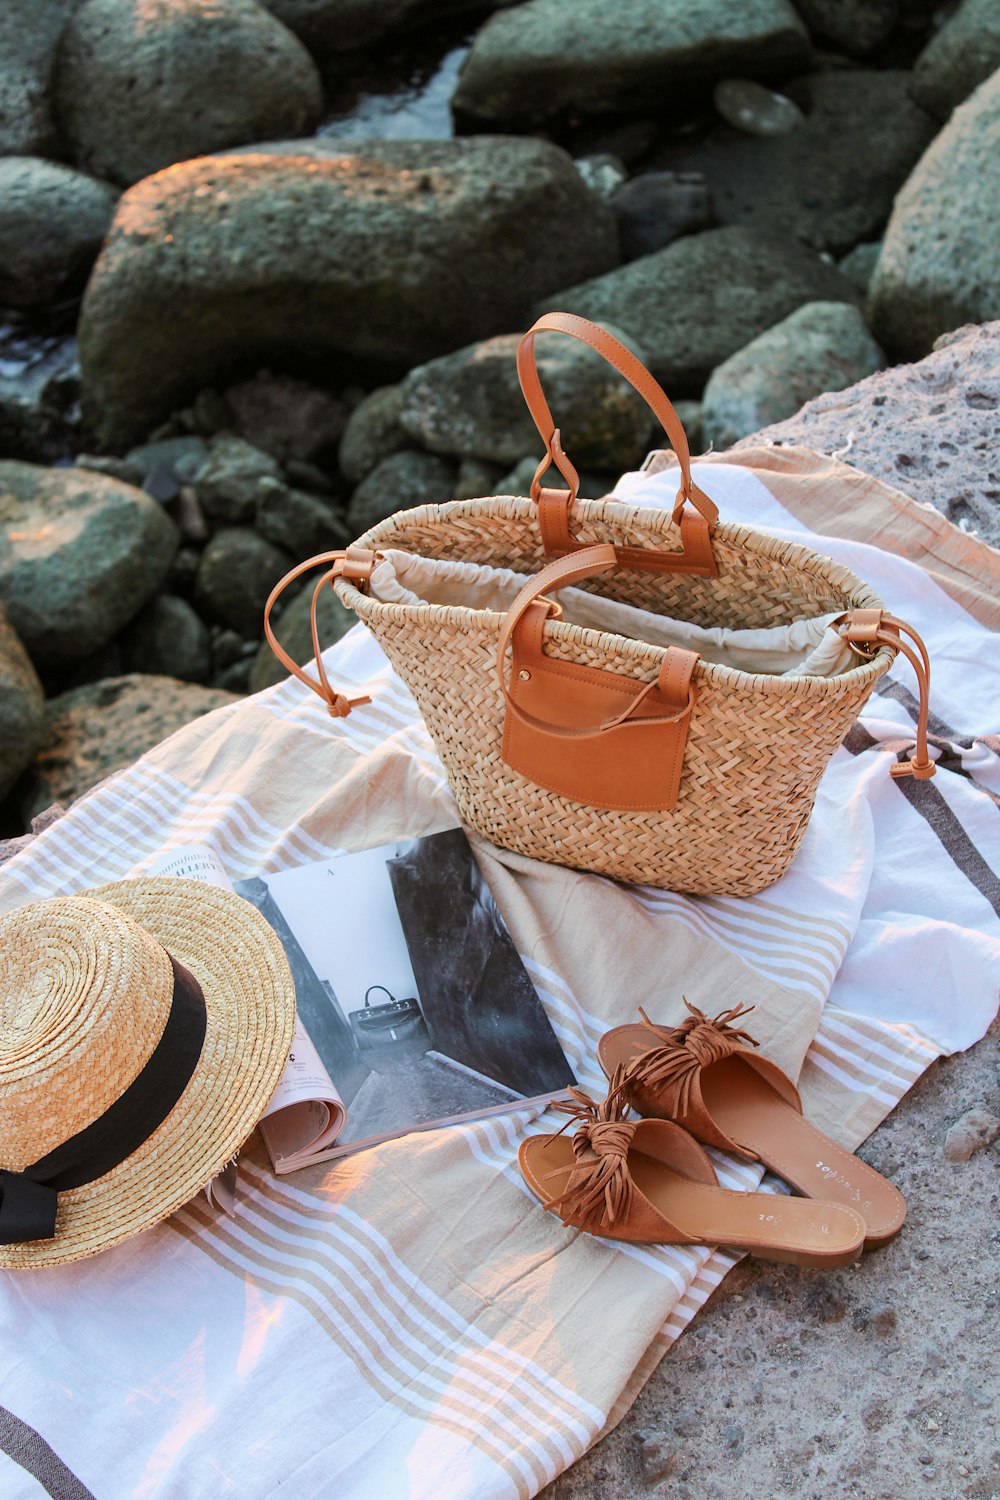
pixel 305 1113
pixel 411 989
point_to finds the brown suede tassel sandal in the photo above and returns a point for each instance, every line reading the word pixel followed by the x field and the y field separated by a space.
pixel 704 1076
pixel 648 1182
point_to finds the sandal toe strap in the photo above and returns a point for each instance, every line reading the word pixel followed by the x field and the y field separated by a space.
pixel 683 1051
pixel 598 1189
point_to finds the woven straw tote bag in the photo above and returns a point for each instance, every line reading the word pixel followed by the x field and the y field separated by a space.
pixel 603 748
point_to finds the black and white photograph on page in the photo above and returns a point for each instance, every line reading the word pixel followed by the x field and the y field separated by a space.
pixel 410 986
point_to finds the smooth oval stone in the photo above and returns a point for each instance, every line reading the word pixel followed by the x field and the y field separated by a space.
pixel 751 107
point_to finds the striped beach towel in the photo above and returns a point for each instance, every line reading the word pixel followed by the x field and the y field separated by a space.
pixel 408 1323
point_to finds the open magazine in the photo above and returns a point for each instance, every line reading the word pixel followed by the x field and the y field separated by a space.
pixel 414 1008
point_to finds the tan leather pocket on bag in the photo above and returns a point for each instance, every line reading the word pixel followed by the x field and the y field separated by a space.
pixel 634 765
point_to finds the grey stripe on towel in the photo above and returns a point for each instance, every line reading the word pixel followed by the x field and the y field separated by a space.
pixel 29 1449
pixel 926 799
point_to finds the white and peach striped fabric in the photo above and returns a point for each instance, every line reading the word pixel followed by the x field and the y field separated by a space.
pixel 408 1323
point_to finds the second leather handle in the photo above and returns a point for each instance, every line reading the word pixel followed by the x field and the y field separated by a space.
pixel 638 378
pixel 560 573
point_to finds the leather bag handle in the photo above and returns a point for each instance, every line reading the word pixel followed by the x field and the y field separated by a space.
pixel 560 573
pixel 638 378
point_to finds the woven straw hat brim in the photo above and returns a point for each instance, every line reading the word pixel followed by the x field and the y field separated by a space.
pixel 250 1003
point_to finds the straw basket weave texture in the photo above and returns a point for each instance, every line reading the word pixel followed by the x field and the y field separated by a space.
pixel 757 745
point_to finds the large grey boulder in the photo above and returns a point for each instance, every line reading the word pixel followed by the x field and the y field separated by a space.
pixel 373 431
pixel 695 303
pixel 142 84
pixel 831 181
pixel 94 730
pixel 857 27
pixel 400 482
pixel 237 571
pixel 29 33
pixel 960 57
pixel 286 417
pixel 52 222
pixel 163 467
pixel 168 639
pixel 300 523
pixel 654 208
pixel 334 26
pixel 549 56
pixel 22 706
pixel 80 553
pixel 823 346
pixel 940 261
pixel 228 482
pixel 470 403
pixel 929 428
pixel 392 250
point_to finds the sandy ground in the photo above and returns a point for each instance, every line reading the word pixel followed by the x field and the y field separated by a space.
pixel 881 1381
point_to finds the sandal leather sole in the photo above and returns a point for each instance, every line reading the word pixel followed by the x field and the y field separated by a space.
pixel 745 1109
pixel 668 1207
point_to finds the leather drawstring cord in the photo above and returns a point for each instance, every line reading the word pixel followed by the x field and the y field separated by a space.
pixel 874 628
pixel 355 564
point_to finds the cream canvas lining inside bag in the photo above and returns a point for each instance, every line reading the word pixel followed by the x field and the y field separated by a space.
pixel 804 648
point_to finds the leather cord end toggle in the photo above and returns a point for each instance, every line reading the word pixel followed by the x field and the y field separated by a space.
pixel 340 706
pixel 919 770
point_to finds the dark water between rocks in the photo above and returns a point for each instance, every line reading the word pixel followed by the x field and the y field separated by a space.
pixel 403 94
pixel 39 388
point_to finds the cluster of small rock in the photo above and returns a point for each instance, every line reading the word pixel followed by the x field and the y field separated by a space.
pixel 739 258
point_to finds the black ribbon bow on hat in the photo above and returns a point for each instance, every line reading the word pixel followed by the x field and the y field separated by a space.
pixel 29 1198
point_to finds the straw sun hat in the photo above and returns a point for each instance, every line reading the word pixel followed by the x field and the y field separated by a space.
pixel 143 1028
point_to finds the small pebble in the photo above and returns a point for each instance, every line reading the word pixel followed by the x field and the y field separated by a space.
pixel 603 172
pixel 190 516
pixel 980 1398
pixel 875 1414
pixel 976 1128
pixel 659 1460
pixel 932 1426
pixel 751 107
pixel 227 648
pixel 732 1436
pixel 880 1318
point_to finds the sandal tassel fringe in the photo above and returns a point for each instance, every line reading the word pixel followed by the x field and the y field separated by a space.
pixel 694 1044
pixel 600 1188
